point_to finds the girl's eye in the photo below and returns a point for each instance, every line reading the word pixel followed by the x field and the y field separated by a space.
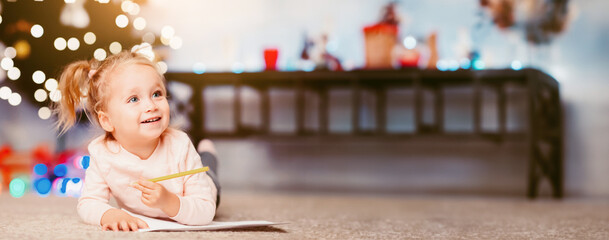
pixel 157 94
pixel 133 99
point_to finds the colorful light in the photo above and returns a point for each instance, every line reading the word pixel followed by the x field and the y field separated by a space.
pixel 60 170
pixel 17 187
pixel 465 63
pixel 85 161
pixel 40 169
pixel 478 65
pixel 43 186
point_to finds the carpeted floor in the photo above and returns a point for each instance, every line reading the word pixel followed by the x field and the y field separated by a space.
pixel 336 216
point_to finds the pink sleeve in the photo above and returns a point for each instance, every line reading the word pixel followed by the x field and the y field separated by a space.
pixel 93 202
pixel 198 204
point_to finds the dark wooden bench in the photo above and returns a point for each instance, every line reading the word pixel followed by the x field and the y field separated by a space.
pixel 543 132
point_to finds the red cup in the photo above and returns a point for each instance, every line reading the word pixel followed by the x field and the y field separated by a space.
pixel 270 58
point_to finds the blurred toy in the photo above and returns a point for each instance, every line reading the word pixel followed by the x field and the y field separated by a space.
pixel 381 38
pixel 316 51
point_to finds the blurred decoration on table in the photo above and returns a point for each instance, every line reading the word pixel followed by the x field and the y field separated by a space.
pixel 38 38
pixel 381 38
pixel 317 54
pixel 541 20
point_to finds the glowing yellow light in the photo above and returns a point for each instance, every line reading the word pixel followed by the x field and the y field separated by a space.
pixel 10 52
pixel 38 77
pixel 149 37
pixel 5 92
pixel 115 47
pixel 55 95
pixel 167 32
pixel 37 31
pixel 73 44
pixel 14 73
pixel 7 63
pixel 90 38
pixel 175 43
pixel 0 18
pixel 69 1
pixel 14 99
pixel 139 23
pixel 103 1
pixel 60 43
pixel 44 113
pixel 162 67
pixel 99 54
pixel 40 95
pixel 23 49
pixel 122 21
pixel 50 84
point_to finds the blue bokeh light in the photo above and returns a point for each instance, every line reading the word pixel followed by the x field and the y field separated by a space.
pixel 85 161
pixel 60 170
pixel 40 169
pixel 43 186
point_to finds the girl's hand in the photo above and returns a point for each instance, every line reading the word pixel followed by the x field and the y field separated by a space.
pixel 154 195
pixel 116 220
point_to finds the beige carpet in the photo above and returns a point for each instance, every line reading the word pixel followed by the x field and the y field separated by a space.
pixel 335 216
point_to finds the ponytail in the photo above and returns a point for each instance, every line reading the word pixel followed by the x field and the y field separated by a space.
pixel 73 81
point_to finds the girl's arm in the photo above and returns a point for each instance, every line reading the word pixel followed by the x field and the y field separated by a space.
pixel 93 202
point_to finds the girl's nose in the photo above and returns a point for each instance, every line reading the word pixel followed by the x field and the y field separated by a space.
pixel 151 106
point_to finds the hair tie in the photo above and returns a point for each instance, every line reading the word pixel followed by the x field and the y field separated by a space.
pixel 91 73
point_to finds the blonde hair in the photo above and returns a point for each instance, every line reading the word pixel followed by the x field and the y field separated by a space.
pixel 83 84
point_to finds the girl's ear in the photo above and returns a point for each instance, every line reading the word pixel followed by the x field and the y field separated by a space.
pixel 104 121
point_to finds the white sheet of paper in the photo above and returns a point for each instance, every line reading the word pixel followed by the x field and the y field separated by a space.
pixel 164 225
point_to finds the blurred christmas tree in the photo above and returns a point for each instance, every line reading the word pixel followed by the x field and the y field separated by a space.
pixel 38 38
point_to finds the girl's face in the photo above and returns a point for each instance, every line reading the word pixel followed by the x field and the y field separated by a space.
pixel 137 110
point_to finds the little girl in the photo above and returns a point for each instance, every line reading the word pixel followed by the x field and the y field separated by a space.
pixel 126 96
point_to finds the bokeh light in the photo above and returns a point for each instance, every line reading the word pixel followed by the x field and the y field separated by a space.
pixel 139 23
pixel 127 6
pixel 7 63
pixel 122 21
pixel 167 32
pixel 44 113
pixel 38 76
pixel 5 92
pixel 199 68
pixel 135 9
pixel 55 95
pixel 10 52
pixel 410 42
pixel 50 84
pixel 40 95
pixel 40 169
pixel 23 49
pixel 60 44
pixel 85 161
pixel 149 37
pixel 115 47
pixel 465 63
pixel 14 73
pixel 73 44
pixel 442 65
pixel 43 186
pixel 60 170
pixel 17 187
pixel 100 54
pixel 14 99
pixel 175 43
pixel 37 31
pixel 237 67
pixel 90 38
pixel 516 65
pixel 162 67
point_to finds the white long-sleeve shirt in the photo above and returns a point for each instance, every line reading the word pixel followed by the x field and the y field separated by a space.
pixel 112 169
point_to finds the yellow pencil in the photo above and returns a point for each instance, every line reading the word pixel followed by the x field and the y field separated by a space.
pixel 180 174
